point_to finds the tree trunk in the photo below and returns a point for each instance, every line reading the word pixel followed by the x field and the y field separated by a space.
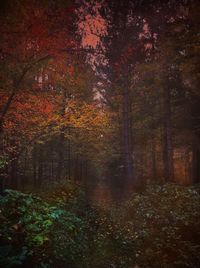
pixel 69 155
pixel 61 143
pixel 167 137
pixel 34 162
pixel 126 134
pixel 5 108
pixel 40 170
pixel 60 156
pixel 153 156
pixel 195 164
pixel 13 173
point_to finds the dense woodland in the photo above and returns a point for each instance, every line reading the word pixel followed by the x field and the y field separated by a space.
pixel 99 133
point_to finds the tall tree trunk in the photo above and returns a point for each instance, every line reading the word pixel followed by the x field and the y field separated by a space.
pixel 60 156
pixel 13 173
pixel 153 157
pixel 167 137
pixel 2 167
pixel 5 109
pixel 1 182
pixel 126 133
pixel 76 169
pixel 69 155
pixel 195 164
pixel 34 162
pixel 61 143
pixel 52 169
pixel 23 171
pixel 16 85
pixel 40 169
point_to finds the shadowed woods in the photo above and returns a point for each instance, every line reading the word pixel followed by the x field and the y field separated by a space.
pixel 99 134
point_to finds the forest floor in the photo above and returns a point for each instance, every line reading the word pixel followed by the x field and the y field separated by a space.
pixel 159 227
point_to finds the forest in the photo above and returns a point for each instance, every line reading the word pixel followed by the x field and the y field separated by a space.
pixel 99 133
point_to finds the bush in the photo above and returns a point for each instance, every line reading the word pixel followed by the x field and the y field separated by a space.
pixel 157 228
pixel 68 195
pixel 35 232
pixel 164 221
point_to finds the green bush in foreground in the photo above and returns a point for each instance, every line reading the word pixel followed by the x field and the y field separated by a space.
pixel 33 230
pixel 159 228
pixel 164 221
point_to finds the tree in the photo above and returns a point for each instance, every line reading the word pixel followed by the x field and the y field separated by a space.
pixel 30 36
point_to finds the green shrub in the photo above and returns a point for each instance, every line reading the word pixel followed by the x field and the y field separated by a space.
pixel 68 195
pixel 49 234
pixel 164 221
pixel 159 228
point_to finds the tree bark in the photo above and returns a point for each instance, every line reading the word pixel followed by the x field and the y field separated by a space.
pixel 34 162
pixel 16 85
pixel 61 138
pixel 40 169
pixel 126 133
pixel 13 173
pixel 167 137
pixel 69 155
pixel 153 156
pixel 60 156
